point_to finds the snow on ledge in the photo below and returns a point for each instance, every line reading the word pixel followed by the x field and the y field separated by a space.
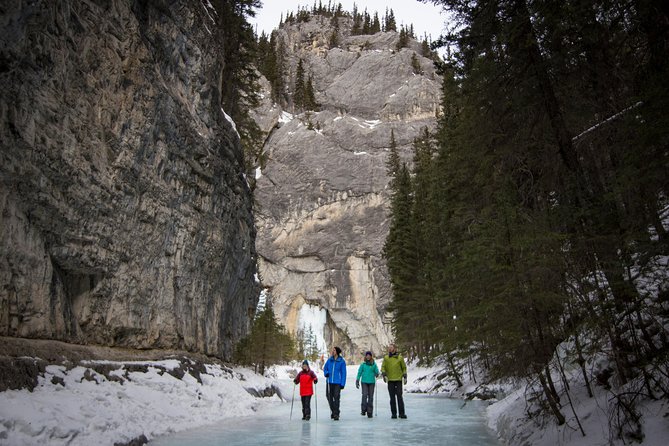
pixel 232 123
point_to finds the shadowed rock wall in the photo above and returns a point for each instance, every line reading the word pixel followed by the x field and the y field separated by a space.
pixel 124 216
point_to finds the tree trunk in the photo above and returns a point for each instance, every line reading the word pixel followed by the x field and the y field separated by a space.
pixel 554 406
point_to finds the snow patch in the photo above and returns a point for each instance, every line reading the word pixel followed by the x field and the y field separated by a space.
pixel 286 117
pixel 206 10
pixel 229 119
pixel 258 172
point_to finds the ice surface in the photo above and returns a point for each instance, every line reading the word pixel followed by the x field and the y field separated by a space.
pixel 432 420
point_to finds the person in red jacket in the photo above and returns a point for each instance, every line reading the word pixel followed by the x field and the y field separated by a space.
pixel 306 378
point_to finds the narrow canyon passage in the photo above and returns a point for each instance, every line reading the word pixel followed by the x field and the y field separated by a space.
pixel 432 420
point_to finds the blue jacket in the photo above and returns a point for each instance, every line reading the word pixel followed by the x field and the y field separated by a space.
pixel 335 371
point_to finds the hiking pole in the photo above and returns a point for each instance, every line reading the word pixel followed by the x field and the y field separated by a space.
pixel 316 399
pixel 291 402
pixel 376 401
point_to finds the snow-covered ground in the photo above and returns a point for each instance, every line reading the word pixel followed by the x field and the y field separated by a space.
pixel 103 402
pixel 517 421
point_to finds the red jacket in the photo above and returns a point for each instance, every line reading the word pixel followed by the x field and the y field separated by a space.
pixel 305 379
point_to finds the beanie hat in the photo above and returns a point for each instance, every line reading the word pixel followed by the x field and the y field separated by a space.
pixel 338 350
pixel 369 353
pixel 305 362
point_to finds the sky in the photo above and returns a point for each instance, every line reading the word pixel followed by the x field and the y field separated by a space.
pixel 426 17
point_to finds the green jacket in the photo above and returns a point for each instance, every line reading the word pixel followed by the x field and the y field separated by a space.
pixel 394 367
pixel 368 371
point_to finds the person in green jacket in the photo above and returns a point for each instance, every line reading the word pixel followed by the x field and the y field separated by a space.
pixel 394 371
pixel 367 374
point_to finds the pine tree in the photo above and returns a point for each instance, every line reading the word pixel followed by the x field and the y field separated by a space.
pixel 267 344
pixel 425 48
pixel 356 29
pixel 415 64
pixel 390 23
pixel 376 24
pixel 239 91
pixel 520 206
pixel 299 96
pixel 334 36
pixel 309 95
pixel 366 23
pixel 403 40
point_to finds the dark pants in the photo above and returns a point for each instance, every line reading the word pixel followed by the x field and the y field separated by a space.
pixel 395 391
pixel 306 406
pixel 367 405
pixel 334 391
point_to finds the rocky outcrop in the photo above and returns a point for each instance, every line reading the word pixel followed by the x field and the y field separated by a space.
pixel 322 197
pixel 125 218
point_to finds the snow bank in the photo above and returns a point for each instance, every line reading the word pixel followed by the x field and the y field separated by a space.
pixel 510 418
pixel 517 418
pixel 104 402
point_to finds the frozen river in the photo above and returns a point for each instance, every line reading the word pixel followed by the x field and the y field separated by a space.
pixel 432 420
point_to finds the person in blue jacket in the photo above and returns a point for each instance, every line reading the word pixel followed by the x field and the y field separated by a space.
pixel 335 374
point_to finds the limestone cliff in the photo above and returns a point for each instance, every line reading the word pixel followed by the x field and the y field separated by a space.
pixel 322 213
pixel 125 218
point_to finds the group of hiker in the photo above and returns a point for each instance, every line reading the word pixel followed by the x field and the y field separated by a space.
pixel 393 371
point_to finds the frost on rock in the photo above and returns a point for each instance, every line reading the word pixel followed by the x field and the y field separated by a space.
pixel 314 317
pixel 232 123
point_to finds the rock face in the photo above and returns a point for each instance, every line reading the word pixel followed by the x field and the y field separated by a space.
pixel 124 215
pixel 322 212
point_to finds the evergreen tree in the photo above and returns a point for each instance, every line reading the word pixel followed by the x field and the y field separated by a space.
pixel 366 23
pixel 309 95
pixel 536 203
pixel 239 90
pixel 376 24
pixel 334 37
pixel 425 48
pixel 390 23
pixel 403 40
pixel 267 344
pixel 356 29
pixel 415 64
pixel 299 95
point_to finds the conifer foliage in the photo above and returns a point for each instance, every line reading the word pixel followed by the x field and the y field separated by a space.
pixel 538 212
pixel 239 86
pixel 267 344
